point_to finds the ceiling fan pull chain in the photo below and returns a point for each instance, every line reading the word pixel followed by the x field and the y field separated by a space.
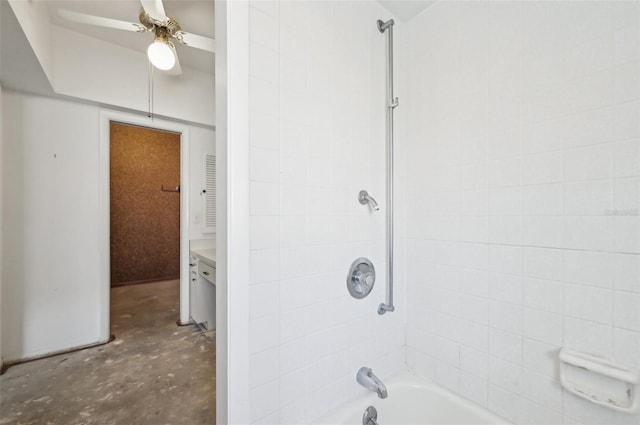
pixel 150 92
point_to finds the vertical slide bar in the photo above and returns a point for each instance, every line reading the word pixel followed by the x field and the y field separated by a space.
pixel 392 103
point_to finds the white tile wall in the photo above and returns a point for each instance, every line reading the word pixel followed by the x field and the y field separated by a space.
pixel 316 140
pixel 523 151
pixel 522 166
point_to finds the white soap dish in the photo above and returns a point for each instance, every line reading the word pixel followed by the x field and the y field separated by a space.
pixel 600 381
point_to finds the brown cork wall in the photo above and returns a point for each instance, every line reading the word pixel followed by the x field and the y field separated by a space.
pixel 145 221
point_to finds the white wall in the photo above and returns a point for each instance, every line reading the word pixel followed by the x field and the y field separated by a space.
pixel 524 189
pixel 34 19
pixel 81 61
pixel 316 137
pixel 87 68
pixel 1 221
pixel 50 224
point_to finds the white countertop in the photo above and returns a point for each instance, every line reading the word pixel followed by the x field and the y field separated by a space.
pixel 207 255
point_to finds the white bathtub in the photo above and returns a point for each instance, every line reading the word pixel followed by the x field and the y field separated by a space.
pixel 413 401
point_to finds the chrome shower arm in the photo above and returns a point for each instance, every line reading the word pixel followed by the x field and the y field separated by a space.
pixel 365 199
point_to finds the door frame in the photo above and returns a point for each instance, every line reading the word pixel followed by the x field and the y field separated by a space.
pixel 104 297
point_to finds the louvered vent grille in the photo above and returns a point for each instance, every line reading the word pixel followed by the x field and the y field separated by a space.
pixel 209 200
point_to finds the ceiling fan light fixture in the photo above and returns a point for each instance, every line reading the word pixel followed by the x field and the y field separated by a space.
pixel 162 54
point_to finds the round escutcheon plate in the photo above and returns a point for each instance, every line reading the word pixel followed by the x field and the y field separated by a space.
pixel 361 278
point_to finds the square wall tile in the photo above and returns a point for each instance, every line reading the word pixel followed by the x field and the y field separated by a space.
pixel 263 28
pixel 505 201
pixel 626 346
pixel 627 272
pixel 545 263
pixel 590 233
pixel 264 367
pixel 544 199
pixel 589 268
pixel 543 326
pixel 264 198
pixel 588 198
pixel 626 310
pixel 626 197
pixel 505 403
pixel 543 136
pixel 589 337
pixel 264 131
pixel 473 335
pixel 474 282
pixel 264 333
pixel 626 82
pixel 264 400
pixel 505 375
pixel 540 357
pixel 263 62
pixel 505 230
pixel 589 303
pixel 447 376
pixel 264 231
pixel 294 293
pixel 474 362
pixel 626 158
pixel 626 45
pixel 473 388
pixel 543 168
pixel 589 163
pixel 534 413
pixel 505 172
pixel 506 317
pixel 505 259
pixel 264 265
pixel 543 231
pixel 264 299
pixel 546 295
pixel 264 165
pixel 625 124
pixel 505 346
pixel 474 309
pixel 627 233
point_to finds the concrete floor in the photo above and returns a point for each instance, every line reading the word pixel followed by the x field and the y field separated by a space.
pixel 154 372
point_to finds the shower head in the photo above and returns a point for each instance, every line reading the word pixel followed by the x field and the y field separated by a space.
pixel 365 199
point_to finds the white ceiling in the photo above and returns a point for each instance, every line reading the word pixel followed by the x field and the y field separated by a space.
pixel 194 16
pixel 406 9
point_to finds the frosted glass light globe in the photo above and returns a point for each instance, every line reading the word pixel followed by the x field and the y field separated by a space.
pixel 161 55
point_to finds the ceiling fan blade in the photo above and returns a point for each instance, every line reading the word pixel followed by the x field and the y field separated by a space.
pixel 155 9
pixel 197 41
pixel 176 70
pixel 100 21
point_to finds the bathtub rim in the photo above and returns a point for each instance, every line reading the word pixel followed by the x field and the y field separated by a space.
pixel 405 378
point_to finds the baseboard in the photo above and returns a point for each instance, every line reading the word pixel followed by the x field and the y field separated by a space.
pixel 6 365
pixel 138 282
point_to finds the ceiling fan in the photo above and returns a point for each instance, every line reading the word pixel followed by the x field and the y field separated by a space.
pixel 161 52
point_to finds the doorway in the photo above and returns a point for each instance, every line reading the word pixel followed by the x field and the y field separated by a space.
pixel 144 204
pixel 183 132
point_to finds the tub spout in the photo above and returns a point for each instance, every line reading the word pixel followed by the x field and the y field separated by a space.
pixel 367 379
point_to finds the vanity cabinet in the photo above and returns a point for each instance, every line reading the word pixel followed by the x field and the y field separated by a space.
pixel 202 288
pixel 195 303
pixel 207 294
